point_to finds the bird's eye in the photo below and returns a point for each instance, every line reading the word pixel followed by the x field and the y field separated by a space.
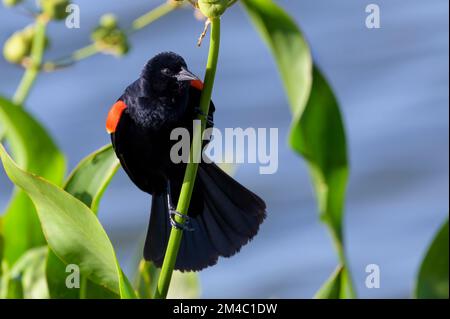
pixel 165 71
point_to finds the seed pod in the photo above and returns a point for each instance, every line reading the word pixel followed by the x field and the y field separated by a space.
pixel 213 8
pixel 55 9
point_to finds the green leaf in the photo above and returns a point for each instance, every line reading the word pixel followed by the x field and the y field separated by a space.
pixel 72 230
pixel 317 130
pixel 433 281
pixel 9 288
pixel 184 286
pixel 30 271
pixel 146 279
pixel 332 287
pixel 91 177
pixel 320 138
pixel 87 182
pixel 91 290
pixel 56 275
pixel 338 286
pixel 289 48
pixel 2 245
pixel 35 152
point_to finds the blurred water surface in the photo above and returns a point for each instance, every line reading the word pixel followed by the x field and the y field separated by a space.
pixel 393 87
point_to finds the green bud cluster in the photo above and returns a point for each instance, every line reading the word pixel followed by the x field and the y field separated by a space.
pixel 54 9
pixel 213 8
pixel 109 38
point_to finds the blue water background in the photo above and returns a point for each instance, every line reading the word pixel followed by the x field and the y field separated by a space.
pixel 392 84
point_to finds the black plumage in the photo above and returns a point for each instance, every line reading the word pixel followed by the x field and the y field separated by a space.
pixel 224 215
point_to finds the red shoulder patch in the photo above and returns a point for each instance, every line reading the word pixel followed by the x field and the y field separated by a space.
pixel 114 116
pixel 197 84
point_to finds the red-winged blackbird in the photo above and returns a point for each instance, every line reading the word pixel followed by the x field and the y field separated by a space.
pixel 223 215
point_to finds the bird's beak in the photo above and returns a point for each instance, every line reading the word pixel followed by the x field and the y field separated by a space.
pixel 185 75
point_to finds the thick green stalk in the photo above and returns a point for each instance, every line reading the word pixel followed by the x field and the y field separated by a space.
pixel 192 167
pixel 37 53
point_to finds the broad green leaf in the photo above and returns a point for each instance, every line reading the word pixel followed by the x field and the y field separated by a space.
pixel 56 278
pixel 288 46
pixel 317 131
pixel 320 138
pixel 91 177
pixel 87 182
pixel 91 290
pixel 433 281
pixel 29 270
pixel 72 230
pixel 35 152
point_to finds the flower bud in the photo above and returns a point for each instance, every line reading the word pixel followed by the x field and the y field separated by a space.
pixel 109 38
pixel 55 9
pixel 16 48
pixel 11 3
pixel 213 8
pixel 108 21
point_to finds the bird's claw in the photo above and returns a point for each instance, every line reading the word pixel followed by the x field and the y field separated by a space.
pixel 186 226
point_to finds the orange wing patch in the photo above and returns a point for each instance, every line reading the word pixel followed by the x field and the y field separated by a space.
pixel 197 84
pixel 114 116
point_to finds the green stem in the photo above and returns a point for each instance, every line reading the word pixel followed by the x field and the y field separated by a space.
pixel 192 167
pixel 84 52
pixel 83 287
pixel 153 15
pixel 91 49
pixel 342 256
pixel 37 53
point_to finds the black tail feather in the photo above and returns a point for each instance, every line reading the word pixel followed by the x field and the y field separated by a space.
pixel 158 229
pixel 230 217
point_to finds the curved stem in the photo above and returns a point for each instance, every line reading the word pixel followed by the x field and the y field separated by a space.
pixel 37 53
pixel 91 49
pixel 192 167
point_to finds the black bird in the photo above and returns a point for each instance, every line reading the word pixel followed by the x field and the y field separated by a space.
pixel 223 215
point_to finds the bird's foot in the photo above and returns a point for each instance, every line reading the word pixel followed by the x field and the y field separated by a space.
pixel 186 225
pixel 209 118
